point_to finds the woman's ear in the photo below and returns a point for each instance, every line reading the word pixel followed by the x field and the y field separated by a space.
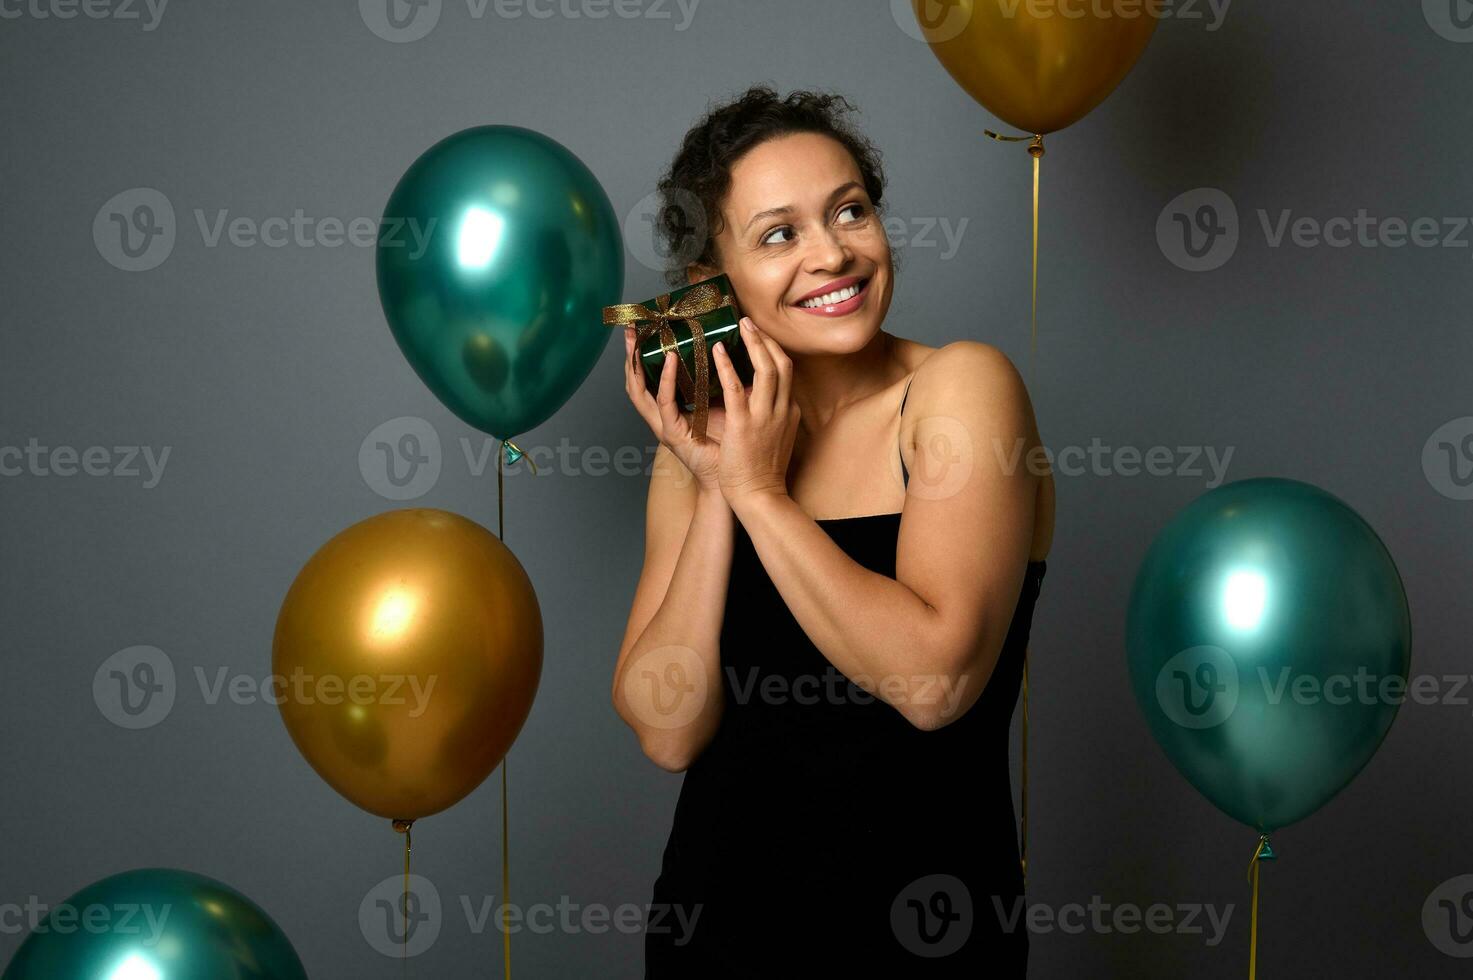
pixel 698 273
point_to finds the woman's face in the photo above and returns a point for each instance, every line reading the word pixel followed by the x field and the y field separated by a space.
pixel 798 227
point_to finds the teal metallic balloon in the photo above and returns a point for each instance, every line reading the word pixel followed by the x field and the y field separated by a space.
pixel 497 253
pixel 156 924
pixel 1269 645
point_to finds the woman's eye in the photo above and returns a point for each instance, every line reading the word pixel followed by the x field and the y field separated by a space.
pixel 858 209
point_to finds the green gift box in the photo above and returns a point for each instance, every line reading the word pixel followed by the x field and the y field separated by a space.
pixel 688 321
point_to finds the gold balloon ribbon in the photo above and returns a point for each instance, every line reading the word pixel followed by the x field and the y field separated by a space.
pixel 1035 150
pixel 1263 852
pixel 402 827
pixel 505 875
pixel 510 453
pixel 700 300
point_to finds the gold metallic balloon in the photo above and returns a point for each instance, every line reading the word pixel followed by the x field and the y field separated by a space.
pixel 406 657
pixel 1039 65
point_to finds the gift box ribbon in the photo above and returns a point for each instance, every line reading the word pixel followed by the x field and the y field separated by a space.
pixel 700 300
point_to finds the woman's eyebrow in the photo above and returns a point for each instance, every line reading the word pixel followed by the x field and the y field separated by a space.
pixel 836 193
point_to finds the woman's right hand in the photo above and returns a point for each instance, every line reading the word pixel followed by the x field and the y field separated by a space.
pixel 671 426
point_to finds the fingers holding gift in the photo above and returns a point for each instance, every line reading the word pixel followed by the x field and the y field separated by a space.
pixel 756 446
pixel 670 416
pixel 733 392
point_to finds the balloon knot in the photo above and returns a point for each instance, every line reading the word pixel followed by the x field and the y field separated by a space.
pixel 402 826
pixel 1035 146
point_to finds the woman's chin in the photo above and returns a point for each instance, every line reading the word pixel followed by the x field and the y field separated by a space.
pixel 836 335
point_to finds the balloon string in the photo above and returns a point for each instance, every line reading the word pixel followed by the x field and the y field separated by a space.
pixel 501 459
pixel 505 877
pixel 1258 856
pixel 402 827
pixel 510 452
pixel 404 907
pixel 1033 341
pixel 1035 150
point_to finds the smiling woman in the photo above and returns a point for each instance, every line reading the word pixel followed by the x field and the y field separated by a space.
pixel 829 631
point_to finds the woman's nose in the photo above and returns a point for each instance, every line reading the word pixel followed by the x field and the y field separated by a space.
pixel 831 252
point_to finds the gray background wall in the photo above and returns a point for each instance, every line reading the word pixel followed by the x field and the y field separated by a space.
pixel 262 370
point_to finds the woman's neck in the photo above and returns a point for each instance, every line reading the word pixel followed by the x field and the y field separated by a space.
pixel 825 384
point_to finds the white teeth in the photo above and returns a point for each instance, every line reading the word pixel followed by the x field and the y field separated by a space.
pixel 829 299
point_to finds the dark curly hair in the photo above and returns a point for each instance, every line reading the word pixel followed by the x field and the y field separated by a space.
pixel 700 175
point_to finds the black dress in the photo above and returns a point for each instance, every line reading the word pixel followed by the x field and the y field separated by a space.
pixel 819 833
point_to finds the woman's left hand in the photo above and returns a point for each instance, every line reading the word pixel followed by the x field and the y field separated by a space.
pixel 761 422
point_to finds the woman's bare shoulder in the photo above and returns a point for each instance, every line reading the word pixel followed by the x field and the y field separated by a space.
pixel 969 363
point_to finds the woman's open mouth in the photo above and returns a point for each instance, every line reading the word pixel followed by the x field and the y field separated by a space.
pixel 840 302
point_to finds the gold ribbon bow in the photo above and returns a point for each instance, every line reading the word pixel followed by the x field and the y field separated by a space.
pixel 700 300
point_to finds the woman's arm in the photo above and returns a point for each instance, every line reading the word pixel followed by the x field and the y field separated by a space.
pixel 667 682
pixel 927 640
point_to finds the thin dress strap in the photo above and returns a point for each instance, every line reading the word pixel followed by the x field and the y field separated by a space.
pixel 904 476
